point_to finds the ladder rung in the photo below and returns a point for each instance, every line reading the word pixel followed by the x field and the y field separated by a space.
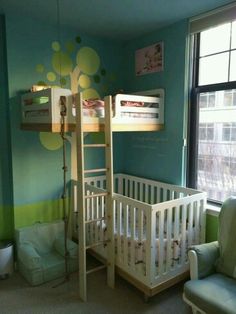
pixel 94 145
pixel 95 269
pixel 94 220
pixel 95 195
pixel 96 244
pixel 95 170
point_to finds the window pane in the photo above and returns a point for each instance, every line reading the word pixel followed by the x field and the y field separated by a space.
pixel 233 44
pixel 214 40
pixel 216 172
pixel 213 69
pixel 233 66
pixel 228 96
pixel 211 100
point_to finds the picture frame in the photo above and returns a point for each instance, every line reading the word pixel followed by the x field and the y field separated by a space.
pixel 149 59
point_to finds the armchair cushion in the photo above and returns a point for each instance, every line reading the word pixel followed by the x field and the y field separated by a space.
pixel 40 252
pixel 207 254
pixel 29 257
pixel 226 263
pixel 72 247
pixel 214 294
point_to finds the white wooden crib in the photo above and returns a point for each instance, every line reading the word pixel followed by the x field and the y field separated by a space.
pixel 154 223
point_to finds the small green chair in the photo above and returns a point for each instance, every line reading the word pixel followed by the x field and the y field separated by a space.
pixel 41 251
pixel 212 288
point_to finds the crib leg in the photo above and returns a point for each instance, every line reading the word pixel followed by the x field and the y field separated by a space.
pixel 146 298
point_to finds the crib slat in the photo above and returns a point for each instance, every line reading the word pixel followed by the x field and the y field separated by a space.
pixel 150 246
pixel 141 192
pixel 196 221
pixel 161 242
pixel 152 194
pixel 96 216
pixel 119 230
pixel 101 214
pixel 146 193
pixel 190 224
pixel 169 239
pixel 136 190
pixel 164 195
pixel 176 239
pixel 131 189
pixel 125 238
pixel 126 187
pixel 183 234
pixel 132 238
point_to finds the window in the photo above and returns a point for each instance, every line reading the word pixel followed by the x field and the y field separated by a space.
pixel 229 132
pixel 212 141
pixel 206 131
pixel 207 100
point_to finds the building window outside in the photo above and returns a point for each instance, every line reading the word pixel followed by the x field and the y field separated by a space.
pixel 213 137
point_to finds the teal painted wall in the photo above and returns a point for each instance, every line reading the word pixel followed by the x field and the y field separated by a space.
pixel 36 171
pixel 6 202
pixel 159 155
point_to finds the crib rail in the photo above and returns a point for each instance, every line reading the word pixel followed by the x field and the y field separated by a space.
pixel 150 191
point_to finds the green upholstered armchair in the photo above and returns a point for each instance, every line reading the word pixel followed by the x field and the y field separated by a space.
pixel 41 250
pixel 212 288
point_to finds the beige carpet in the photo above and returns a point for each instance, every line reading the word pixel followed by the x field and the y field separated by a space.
pixel 16 296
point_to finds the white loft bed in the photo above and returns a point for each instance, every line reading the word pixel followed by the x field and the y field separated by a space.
pixel 41 112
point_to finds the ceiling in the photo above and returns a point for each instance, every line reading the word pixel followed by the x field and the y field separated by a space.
pixel 118 19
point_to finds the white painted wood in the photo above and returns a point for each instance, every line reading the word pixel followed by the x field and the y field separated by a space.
pixel 192 255
pixel 161 241
pixel 109 196
pixel 132 236
pixel 169 253
pixel 183 233
pixel 81 199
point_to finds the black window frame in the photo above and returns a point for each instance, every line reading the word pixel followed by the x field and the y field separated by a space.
pixel 193 114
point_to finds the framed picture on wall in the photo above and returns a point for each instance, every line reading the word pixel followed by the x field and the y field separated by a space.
pixel 149 59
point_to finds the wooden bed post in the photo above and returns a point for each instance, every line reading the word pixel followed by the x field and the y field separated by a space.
pixel 81 198
pixel 109 197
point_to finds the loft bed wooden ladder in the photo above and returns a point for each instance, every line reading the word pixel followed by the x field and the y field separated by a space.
pixel 82 197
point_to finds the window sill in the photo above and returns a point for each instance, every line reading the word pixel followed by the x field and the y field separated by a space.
pixel 213 210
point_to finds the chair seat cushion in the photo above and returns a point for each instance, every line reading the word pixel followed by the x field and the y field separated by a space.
pixel 214 294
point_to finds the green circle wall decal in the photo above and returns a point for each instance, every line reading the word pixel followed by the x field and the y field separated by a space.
pixel 56 46
pixel 51 76
pixel 84 81
pixel 88 60
pixel 62 64
pixel 91 93
pixel 39 68
pixel 51 141
pixel 70 46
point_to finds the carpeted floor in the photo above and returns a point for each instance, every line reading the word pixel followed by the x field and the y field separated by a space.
pixel 17 297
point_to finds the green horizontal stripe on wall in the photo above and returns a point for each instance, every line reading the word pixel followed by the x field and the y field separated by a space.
pixel 6 222
pixel 44 211
pixel 211 228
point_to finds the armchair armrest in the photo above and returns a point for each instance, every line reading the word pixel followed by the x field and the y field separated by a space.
pixel 29 257
pixel 72 247
pixel 202 259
